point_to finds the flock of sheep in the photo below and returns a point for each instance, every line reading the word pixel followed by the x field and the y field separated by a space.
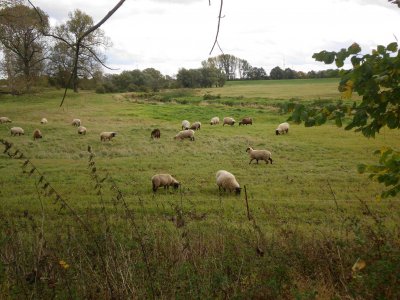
pixel 224 179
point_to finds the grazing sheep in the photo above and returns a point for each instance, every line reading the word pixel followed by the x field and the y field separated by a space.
pixel 227 181
pixel 185 134
pixel 82 130
pixel 195 126
pixel 282 128
pixel 214 121
pixel 229 121
pixel 165 180
pixel 4 120
pixel 259 155
pixel 246 121
pixel 76 122
pixel 37 134
pixel 155 134
pixel 185 124
pixel 17 130
pixel 107 135
pixel 43 121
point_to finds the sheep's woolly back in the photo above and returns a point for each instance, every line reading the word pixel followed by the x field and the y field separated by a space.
pixel 76 122
pixel 164 180
pixel 82 130
pixel 283 127
pixel 227 181
pixel 17 130
pixel 259 154
pixel 107 135
pixel 229 121
pixel 185 124
pixel 43 121
pixel 37 134
pixel 185 134
pixel 214 121
pixel 4 120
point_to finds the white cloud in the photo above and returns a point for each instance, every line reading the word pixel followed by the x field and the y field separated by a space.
pixel 170 34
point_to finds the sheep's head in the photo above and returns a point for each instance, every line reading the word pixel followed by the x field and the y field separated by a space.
pixel 249 149
pixel 277 132
pixel 237 190
pixel 113 134
pixel 176 185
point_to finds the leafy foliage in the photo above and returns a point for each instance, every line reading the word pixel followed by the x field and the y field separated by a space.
pixel 376 78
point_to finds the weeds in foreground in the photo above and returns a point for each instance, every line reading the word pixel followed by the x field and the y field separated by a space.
pixel 112 253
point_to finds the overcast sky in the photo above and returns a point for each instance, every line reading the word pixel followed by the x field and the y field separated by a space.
pixel 171 34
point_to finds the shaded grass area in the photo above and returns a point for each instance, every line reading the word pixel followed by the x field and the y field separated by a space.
pixel 312 214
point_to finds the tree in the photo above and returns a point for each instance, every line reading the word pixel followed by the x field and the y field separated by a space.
pixel 376 78
pixel 276 73
pixel 23 45
pixel 90 57
pixel 256 73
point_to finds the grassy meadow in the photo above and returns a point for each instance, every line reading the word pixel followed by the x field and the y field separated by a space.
pixel 98 230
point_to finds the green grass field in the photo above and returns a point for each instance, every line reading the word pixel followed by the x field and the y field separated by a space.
pixel 312 214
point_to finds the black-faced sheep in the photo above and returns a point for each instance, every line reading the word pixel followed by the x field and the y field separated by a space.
pixel 107 135
pixel 259 155
pixel 229 121
pixel 246 121
pixel 4 120
pixel 17 131
pixel 165 180
pixel 76 122
pixel 282 128
pixel 37 134
pixel 196 126
pixel 185 134
pixel 227 181
pixel 214 121
pixel 185 124
pixel 82 130
pixel 155 134
pixel 43 121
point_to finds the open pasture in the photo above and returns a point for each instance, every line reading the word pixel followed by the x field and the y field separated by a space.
pixel 311 196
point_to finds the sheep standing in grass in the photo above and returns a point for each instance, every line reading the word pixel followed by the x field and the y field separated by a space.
pixel 185 124
pixel 4 120
pixel 17 131
pixel 229 121
pixel 82 130
pixel 37 134
pixel 259 155
pixel 227 181
pixel 246 121
pixel 196 126
pixel 107 135
pixel 282 128
pixel 76 122
pixel 155 134
pixel 185 134
pixel 165 180
pixel 214 121
pixel 43 121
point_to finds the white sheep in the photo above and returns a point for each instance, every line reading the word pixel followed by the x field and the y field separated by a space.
pixel 185 124
pixel 107 135
pixel 81 130
pixel 165 180
pixel 4 120
pixel 37 134
pixel 76 122
pixel 17 130
pixel 214 121
pixel 185 134
pixel 259 155
pixel 227 181
pixel 282 128
pixel 43 121
pixel 229 121
pixel 196 126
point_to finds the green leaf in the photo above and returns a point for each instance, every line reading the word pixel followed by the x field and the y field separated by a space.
pixel 392 47
pixel 354 49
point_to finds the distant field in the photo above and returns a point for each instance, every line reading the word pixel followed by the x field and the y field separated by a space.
pixel 313 214
pixel 310 89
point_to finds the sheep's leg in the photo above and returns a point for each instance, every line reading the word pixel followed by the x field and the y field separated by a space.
pixel 251 160
pixel 270 159
pixel 257 161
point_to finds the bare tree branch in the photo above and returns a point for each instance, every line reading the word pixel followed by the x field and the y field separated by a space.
pixel 219 23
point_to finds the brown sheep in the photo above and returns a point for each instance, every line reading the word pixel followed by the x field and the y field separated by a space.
pixel 195 126
pixel 246 121
pixel 37 134
pixel 155 134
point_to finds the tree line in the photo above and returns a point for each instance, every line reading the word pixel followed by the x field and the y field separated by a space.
pixel 36 54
